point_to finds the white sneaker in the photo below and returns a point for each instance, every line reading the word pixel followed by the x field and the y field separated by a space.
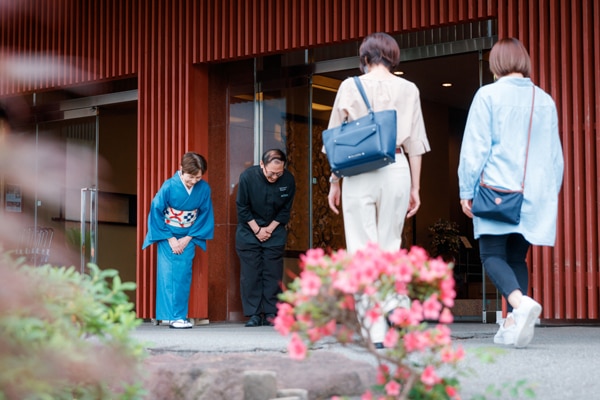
pixel 504 335
pixel 180 324
pixel 525 317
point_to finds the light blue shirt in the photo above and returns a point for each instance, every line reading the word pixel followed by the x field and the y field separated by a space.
pixel 495 142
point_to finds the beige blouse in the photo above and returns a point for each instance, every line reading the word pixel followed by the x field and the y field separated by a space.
pixel 393 93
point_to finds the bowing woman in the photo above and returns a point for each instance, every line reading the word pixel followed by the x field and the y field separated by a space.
pixel 180 218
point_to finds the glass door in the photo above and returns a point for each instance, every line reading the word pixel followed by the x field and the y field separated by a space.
pixel 271 109
pixel 66 196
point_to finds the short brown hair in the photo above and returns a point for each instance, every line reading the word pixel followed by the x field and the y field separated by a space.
pixel 379 48
pixel 192 163
pixel 509 55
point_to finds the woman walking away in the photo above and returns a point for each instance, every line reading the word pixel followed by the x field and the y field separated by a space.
pixel 511 141
pixel 375 204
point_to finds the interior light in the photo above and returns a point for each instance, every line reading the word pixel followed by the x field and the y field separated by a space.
pixel 446 84
pixel 322 87
pixel 321 107
pixel 398 72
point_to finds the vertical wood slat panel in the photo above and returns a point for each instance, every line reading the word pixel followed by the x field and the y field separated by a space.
pixel 566 278
pixel 591 294
pixel 164 132
pixel 267 26
pixel 569 180
pixel 555 90
pixel 595 35
pixel 579 160
pixel 81 41
pixel 587 291
pixel 572 278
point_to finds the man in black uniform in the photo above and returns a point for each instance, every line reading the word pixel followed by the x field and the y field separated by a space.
pixel 264 201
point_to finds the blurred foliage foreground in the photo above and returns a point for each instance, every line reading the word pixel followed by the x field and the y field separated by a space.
pixel 66 335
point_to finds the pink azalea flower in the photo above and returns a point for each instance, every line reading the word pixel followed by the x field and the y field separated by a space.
pixel 404 272
pixel 346 284
pixel 285 318
pixel 416 341
pixel 383 372
pixel 310 283
pixel 348 303
pixel 451 356
pixel 446 316
pixel 416 311
pixel 442 334
pixel 452 392
pixel 418 255
pixel 374 313
pixel 438 268
pixel 367 395
pixel 312 257
pixel 429 377
pixel 329 328
pixel 447 292
pixel 432 307
pixel 391 338
pixel 297 348
pixel 402 317
pixel 392 388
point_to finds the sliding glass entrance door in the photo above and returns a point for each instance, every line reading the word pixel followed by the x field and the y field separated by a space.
pixel 66 189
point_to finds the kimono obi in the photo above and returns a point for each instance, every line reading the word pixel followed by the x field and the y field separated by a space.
pixel 180 219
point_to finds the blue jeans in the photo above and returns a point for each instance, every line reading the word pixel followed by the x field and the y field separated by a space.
pixel 503 258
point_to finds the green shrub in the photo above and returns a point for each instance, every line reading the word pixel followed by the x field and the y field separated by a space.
pixel 65 335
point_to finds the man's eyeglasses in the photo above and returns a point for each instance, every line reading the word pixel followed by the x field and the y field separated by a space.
pixel 272 174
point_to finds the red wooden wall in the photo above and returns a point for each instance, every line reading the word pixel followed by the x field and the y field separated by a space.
pixel 563 39
pixel 167 44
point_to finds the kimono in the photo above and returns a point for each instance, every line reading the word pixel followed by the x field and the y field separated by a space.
pixel 177 212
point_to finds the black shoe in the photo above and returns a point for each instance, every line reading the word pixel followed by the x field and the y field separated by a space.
pixel 268 320
pixel 254 320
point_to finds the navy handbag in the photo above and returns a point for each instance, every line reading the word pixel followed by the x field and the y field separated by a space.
pixel 500 204
pixel 364 144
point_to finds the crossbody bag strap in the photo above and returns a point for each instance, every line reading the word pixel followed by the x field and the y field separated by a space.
pixel 528 141
pixel 361 89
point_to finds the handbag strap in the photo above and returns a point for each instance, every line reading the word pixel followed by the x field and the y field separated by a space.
pixel 528 141
pixel 361 90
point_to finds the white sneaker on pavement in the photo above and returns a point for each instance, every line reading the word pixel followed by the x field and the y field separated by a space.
pixel 180 324
pixel 525 317
pixel 506 336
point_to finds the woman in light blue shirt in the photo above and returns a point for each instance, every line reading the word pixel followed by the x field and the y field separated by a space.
pixel 495 144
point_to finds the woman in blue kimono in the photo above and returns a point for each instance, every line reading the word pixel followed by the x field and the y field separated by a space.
pixel 180 218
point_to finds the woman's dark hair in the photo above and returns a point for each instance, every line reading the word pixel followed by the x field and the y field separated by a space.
pixel 379 48
pixel 192 163
pixel 509 55
pixel 273 154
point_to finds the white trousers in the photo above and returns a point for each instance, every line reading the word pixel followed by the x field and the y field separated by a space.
pixel 374 206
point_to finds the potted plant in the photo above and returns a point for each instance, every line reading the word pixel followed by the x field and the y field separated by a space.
pixel 445 240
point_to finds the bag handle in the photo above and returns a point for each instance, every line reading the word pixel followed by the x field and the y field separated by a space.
pixel 361 89
pixel 527 148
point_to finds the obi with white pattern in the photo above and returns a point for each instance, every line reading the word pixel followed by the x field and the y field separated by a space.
pixel 181 219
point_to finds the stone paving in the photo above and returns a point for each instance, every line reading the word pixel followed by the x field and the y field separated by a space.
pixel 214 361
